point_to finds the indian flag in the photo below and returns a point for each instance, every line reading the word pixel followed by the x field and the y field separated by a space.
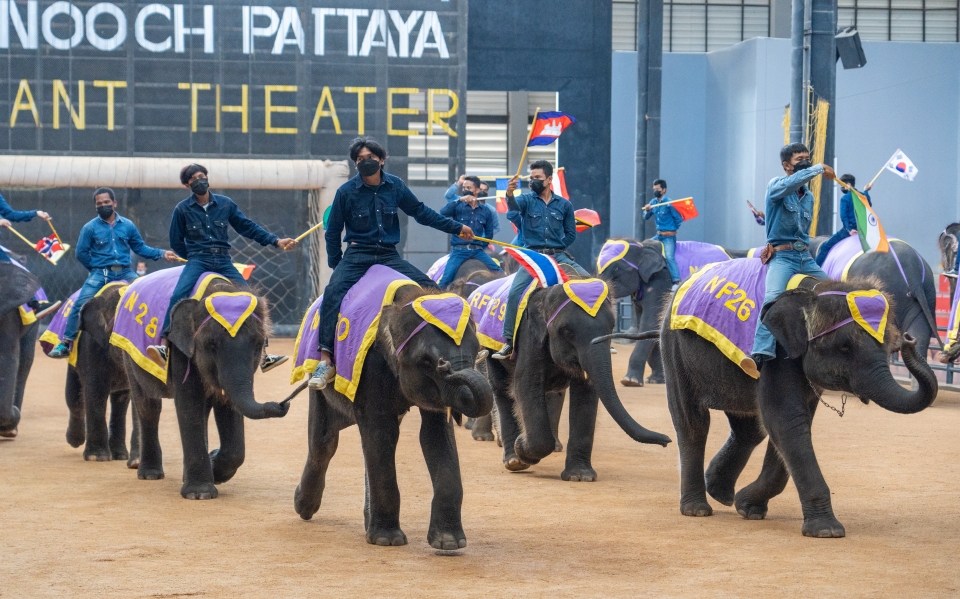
pixel 871 232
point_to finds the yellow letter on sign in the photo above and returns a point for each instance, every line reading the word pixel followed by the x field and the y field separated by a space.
pixel 360 91
pixel 194 88
pixel 269 108
pixel 391 110
pixel 434 116
pixel 243 108
pixel 80 115
pixel 19 104
pixel 110 85
pixel 325 98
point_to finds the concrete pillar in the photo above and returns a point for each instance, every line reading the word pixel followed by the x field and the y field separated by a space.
pixel 649 75
pixel 780 13
pixel 517 121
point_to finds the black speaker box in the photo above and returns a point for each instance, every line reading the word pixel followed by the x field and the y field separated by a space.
pixel 849 49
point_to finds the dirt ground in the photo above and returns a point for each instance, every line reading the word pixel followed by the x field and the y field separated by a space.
pixel 85 529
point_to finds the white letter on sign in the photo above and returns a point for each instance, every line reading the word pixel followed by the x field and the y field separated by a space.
pixel 62 8
pixel 140 30
pixel 10 15
pixel 431 25
pixel 289 22
pixel 101 43
pixel 250 13
pixel 404 29
pixel 180 29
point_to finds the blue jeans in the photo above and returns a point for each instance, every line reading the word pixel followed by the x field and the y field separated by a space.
pixel 4 257
pixel 669 251
pixel 221 264
pixel 458 257
pixel 520 283
pixel 827 245
pixel 780 270
pixel 95 281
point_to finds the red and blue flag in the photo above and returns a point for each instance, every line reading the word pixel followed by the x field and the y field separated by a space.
pixel 51 248
pixel 541 267
pixel 548 127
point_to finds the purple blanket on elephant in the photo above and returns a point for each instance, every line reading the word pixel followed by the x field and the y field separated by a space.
pixel 142 310
pixel 27 315
pixel 306 349
pixel 841 257
pixel 439 267
pixel 54 333
pixel 488 306
pixel 953 328
pixel 691 256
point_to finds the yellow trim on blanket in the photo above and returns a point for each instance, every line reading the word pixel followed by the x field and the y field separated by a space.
pixel 205 283
pixel 751 252
pixel 54 339
pixel 846 269
pixel 722 249
pixel 858 317
pixel 27 317
pixel 349 388
pixel 795 281
pixel 301 371
pixel 522 307
pixel 232 329
pixel 489 342
pixel 626 248
pixel 456 335
pixel 591 310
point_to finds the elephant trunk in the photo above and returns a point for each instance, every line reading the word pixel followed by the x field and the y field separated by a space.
pixel 465 391
pixel 881 387
pixel 601 375
pixel 237 382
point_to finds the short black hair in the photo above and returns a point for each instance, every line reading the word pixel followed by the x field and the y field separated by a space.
pixel 369 143
pixel 106 190
pixel 660 182
pixel 790 150
pixel 475 180
pixel 849 180
pixel 543 165
pixel 190 170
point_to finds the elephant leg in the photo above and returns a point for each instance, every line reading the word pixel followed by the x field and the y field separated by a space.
pixel 583 421
pixel 655 361
pixel 119 402
pixel 323 437
pixel 691 420
pixel 96 392
pixel 378 435
pixel 648 320
pixel 554 412
pixel 751 501
pixel 146 409
pixel 193 409
pixel 787 405
pixel 440 452
pixel 134 460
pixel 28 346
pixel 482 429
pixel 76 425
pixel 509 431
pixel 227 458
pixel 746 432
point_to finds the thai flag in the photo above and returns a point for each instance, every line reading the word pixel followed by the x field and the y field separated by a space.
pixel 548 127
pixel 50 248
pixel 541 267
pixel 559 185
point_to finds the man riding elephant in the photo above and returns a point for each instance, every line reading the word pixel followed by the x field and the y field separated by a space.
pixel 847 217
pixel 668 221
pixel 469 211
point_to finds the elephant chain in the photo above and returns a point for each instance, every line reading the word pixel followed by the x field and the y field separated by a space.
pixel 843 400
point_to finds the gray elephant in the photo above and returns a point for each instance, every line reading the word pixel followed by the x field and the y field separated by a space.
pixel 554 353
pixel 210 368
pixel 947 244
pixel 18 342
pixel 819 346
pixel 409 365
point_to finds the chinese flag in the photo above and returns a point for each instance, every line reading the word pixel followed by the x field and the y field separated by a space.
pixel 686 208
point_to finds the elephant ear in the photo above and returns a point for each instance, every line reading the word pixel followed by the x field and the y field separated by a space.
pixel 184 322
pixel 650 262
pixel 18 286
pixel 786 320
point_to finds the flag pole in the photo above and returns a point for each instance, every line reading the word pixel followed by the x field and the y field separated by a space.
pixel 25 240
pixel 55 234
pixel 523 156
pixel 504 244
pixel 309 231
pixel 668 203
pixel 874 180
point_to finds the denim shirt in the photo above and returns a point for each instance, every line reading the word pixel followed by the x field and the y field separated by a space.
pixel 514 217
pixel 668 219
pixel 369 215
pixel 790 207
pixel 479 219
pixel 545 224
pixel 451 196
pixel 193 229
pixel 848 215
pixel 16 216
pixel 102 245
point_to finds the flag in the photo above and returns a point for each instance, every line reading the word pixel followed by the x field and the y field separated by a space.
pixel 548 127
pixel 245 270
pixel 586 218
pixel 502 194
pixel 559 185
pixel 686 208
pixel 900 165
pixel 51 248
pixel 541 267
pixel 871 232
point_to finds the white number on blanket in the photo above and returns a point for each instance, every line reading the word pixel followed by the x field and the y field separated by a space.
pixel 738 301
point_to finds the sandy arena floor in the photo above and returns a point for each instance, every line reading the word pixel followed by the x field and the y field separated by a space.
pixel 85 529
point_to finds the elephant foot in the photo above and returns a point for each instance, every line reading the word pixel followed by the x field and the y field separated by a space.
pixel 720 490
pixel 557 446
pixel 97 455
pixel 133 462
pixel 447 541
pixel 198 491
pixel 823 528
pixel 119 453
pixel 76 435
pixel 10 434
pixel 697 509
pixel 631 381
pixel 468 423
pixel 582 474
pixel 223 466
pixel 513 464
pixel 482 436
pixel 387 537
pixel 305 509
pixel 748 506
pixel 656 379
pixel 148 473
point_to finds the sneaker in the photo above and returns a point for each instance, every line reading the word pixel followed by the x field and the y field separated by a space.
pixel 46 308
pixel 952 273
pixel 158 355
pixel 62 350
pixel 613 350
pixel 322 376
pixel 504 353
pixel 270 361
pixel 676 285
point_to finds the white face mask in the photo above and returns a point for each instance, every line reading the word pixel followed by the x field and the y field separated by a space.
pixel 141 272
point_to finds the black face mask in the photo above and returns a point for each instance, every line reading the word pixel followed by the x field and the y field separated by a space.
pixel 657 193
pixel 105 212
pixel 537 185
pixel 368 167
pixel 481 194
pixel 200 186
pixel 802 165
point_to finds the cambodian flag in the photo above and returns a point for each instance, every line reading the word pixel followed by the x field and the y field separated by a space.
pixel 541 267
pixel 548 127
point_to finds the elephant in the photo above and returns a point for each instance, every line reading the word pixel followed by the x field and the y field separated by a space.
pixel 408 365
pixel 100 375
pixel 208 369
pixel 555 353
pixel 813 354
pixel 947 244
pixel 18 343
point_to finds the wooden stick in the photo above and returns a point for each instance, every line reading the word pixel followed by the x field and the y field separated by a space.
pixel 55 234
pixel 309 231
pixel 670 202
pixel 504 244
pixel 874 180
pixel 526 146
pixel 25 240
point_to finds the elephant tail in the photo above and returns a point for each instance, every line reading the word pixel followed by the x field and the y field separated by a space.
pixel 631 336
